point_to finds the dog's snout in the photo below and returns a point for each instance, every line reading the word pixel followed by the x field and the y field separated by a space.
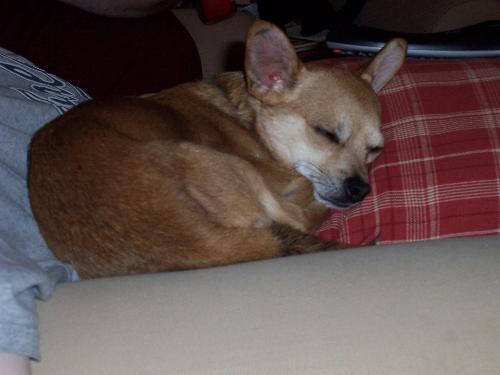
pixel 355 188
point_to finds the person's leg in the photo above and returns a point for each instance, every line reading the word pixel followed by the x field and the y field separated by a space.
pixel 29 97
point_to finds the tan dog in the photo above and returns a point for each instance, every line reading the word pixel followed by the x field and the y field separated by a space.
pixel 202 175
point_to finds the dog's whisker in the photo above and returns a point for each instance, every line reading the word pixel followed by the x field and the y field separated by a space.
pixel 309 169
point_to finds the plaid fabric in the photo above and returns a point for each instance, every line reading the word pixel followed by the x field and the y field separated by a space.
pixel 439 173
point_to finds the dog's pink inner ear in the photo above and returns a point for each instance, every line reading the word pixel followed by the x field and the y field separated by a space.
pixel 273 74
pixel 271 60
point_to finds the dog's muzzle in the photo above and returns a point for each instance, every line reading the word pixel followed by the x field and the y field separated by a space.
pixel 332 191
pixel 352 191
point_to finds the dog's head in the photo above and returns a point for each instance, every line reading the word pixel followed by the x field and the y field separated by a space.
pixel 322 121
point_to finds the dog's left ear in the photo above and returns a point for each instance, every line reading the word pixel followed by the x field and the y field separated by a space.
pixel 271 64
pixel 385 64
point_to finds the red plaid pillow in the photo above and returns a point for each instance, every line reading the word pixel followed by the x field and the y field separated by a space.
pixel 439 173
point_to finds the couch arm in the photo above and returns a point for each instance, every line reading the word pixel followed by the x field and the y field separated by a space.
pixel 426 308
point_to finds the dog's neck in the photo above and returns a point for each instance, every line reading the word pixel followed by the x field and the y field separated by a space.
pixel 234 87
pixel 248 107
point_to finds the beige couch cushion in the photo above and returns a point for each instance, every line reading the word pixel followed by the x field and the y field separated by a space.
pixel 426 308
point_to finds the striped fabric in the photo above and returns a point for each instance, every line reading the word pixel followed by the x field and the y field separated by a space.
pixel 439 173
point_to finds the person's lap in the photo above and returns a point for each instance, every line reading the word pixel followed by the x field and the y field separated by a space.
pixel 29 97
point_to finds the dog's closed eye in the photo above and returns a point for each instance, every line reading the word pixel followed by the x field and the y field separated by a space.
pixel 331 136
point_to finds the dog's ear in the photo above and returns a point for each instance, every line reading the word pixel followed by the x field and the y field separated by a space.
pixel 385 64
pixel 271 64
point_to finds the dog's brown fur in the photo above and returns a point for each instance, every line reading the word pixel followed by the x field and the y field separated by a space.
pixel 203 175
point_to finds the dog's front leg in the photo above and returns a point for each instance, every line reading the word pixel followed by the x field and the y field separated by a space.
pixel 300 192
pixel 233 193
pixel 316 213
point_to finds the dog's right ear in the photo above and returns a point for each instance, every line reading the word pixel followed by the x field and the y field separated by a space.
pixel 271 64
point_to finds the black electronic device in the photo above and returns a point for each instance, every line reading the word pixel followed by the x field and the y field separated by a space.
pixel 481 40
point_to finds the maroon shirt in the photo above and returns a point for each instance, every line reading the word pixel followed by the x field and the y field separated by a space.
pixel 104 56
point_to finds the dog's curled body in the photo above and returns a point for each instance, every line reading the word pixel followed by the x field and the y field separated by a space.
pixel 193 176
pixel 132 188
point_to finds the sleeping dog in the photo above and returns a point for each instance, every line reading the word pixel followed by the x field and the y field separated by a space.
pixel 205 174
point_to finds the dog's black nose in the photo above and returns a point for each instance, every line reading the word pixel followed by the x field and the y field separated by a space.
pixel 355 188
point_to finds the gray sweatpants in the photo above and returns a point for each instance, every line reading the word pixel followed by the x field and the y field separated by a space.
pixel 29 97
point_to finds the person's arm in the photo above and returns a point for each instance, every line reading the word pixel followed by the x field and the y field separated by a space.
pixel 13 364
pixel 122 8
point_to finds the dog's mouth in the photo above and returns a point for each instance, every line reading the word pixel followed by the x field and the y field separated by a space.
pixel 335 203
